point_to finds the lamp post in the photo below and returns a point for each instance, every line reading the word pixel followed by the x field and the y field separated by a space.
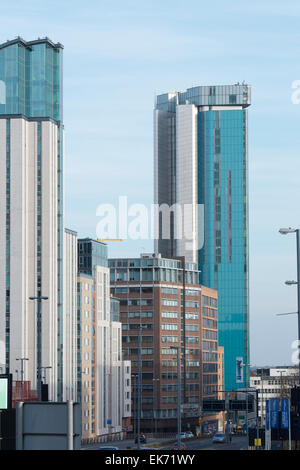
pixel 134 409
pixel 246 382
pixel 285 231
pixel 139 388
pixel 155 385
pixel 39 299
pixel 22 359
pixel 178 398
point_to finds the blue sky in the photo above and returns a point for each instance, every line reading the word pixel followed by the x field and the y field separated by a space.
pixel 117 55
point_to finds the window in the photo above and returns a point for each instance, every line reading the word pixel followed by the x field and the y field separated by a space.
pixel 192 304
pixel 191 292
pixel 169 351
pixel 192 316
pixel 169 290
pixel 169 339
pixel 192 327
pixel 146 351
pixel 169 314
pixel 170 303
pixel 169 326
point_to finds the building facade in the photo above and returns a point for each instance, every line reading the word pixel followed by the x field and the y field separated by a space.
pixel 201 191
pixel 70 317
pixel 104 379
pixel 273 382
pixel 163 300
pixel 31 206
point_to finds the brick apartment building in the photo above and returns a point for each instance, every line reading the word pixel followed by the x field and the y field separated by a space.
pixel 165 298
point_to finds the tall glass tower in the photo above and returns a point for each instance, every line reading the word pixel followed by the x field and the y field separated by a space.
pixel 31 206
pixel 201 166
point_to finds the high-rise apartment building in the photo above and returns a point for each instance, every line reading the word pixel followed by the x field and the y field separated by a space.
pixel 104 379
pixel 31 206
pixel 163 298
pixel 201 173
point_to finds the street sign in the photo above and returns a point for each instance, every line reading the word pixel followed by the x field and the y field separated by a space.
pixel 285 413
pixel 274 412
pixel 213 405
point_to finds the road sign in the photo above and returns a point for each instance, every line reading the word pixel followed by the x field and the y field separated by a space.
pixel 274 412
pixel 285 413
pixel 213 405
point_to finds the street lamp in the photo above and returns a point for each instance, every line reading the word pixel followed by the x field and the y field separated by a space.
pixel 285 231
pixel 247 424
pixel 177 348
pixel 39 299
pixel 134 407
pixel 22 359
pixel 155 386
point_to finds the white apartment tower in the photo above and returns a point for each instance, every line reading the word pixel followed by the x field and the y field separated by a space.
pixel 31 208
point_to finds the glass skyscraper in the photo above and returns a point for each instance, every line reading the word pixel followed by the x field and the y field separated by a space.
pixel 201 163
pixel 31 206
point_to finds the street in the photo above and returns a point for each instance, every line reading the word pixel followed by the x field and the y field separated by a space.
pixel 238 443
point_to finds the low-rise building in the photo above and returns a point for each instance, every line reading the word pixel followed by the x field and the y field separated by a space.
pixel 272 382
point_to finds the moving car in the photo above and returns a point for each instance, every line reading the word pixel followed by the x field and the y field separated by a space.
pixel 175 447
pixel 189 434
pixel 219 437
pixel 108 448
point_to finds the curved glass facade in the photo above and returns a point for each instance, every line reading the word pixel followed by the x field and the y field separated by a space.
pixel 210 128
pixel 223 262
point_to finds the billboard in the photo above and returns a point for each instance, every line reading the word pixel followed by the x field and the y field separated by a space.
pixel 3 393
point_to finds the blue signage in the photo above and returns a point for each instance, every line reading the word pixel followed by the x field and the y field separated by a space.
pixel 274 411
pixel 285 413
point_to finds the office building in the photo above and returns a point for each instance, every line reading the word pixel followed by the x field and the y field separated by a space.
pixel 273 382
pixel 31 206
pixel 164 298
pixel 104 379
pixel 201 174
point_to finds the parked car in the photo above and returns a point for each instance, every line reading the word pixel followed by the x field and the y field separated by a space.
pixel 143 439
pixel 189 434
pixel 108 448
pixel 219 437
pixel 182 435
pixel 175 447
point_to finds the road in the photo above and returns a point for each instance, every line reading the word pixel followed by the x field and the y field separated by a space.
pixel 238 443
